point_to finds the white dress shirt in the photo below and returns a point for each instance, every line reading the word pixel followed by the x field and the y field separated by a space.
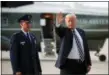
pixel 74 54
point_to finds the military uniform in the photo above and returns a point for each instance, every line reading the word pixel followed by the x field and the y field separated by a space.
pixel 24 52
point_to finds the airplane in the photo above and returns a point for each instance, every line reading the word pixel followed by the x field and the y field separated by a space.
pixel 93 21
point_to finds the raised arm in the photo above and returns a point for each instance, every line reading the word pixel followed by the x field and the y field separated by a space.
pixel 60 30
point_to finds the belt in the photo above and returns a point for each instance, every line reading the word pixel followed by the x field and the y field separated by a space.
pixel 75 60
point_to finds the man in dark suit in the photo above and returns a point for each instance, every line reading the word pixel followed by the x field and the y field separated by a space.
pixel 74 57
pixel 24 50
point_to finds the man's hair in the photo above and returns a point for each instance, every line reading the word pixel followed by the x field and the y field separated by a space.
pixel 70 15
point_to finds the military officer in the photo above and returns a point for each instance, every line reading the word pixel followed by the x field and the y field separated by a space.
pixel 24 50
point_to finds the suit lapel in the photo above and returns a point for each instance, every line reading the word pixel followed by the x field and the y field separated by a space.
pixel 80 33
pixel 68 42
pixel 33 40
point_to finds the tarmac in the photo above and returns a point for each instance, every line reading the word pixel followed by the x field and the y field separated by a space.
pixel 48 68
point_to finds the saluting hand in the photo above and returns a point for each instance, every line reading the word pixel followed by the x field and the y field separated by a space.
pixel 59 17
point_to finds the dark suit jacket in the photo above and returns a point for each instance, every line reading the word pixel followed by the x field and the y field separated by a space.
pixel 23 54
pixel 66 45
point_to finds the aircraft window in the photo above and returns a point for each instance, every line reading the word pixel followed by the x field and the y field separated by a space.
pixel 42 22
pixel 4 21
pixel 106 21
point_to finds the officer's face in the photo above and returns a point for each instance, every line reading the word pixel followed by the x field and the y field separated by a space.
pixel 26 25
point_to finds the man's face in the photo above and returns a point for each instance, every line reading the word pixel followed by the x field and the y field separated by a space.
pixel 26 25
pixel 70 22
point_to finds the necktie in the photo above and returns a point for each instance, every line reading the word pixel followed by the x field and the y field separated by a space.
pixel 28 37
pixel 79 46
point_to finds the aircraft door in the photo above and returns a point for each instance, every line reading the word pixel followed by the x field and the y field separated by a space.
pixel 47 30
